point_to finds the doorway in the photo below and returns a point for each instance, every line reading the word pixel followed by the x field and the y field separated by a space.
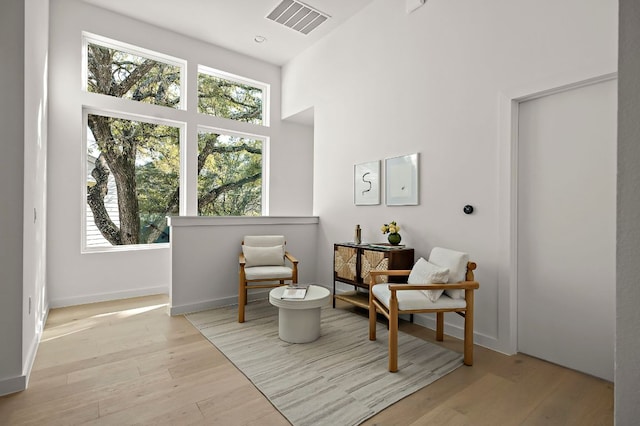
pixel 566 218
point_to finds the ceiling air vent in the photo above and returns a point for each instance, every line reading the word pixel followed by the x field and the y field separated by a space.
pixel 297 16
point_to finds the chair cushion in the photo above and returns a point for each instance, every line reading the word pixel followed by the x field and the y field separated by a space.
pixel 411 300
pixel 425 272
pixel 263 240
pixel 263 256
pixel 268 272
pixel 407 299
pixel 456 262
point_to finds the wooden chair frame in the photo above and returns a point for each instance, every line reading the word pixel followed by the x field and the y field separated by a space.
pixel 244 284
pixel 392 313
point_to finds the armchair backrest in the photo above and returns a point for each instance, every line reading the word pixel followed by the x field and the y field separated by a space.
pixel 456 261
pixel 263 250
pixel 264 240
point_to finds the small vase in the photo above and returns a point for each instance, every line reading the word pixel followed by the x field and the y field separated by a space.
pixel 394 239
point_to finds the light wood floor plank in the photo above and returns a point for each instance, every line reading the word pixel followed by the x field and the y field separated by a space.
pixel 574 402
pixel 128 362
pixel 185 416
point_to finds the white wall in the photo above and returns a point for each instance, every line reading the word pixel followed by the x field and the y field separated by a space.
pixel 35 297
pixel 204 257
pixel 79 278
pixel 627 375
pixel 23 49
pixel 291 189
pixel 388 83
pixel 12 26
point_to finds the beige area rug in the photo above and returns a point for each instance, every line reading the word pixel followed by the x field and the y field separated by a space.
pixel 340 379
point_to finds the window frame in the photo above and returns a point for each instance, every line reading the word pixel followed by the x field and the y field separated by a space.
pixel 182 127
pixel 90 38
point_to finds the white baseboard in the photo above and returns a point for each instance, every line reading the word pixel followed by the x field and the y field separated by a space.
pixel 105 297
pixel 13 385
pixel 31 357
pixel 480 339
pixel 20 383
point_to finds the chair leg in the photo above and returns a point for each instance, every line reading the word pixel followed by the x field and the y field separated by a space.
pixel 372 319
pixel 242 301
pixel 393 338
pixel 439 326
pixel 468 329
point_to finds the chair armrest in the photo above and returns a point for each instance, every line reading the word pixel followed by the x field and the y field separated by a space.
pixel 241 259
pixel 290 257
pixel 294 266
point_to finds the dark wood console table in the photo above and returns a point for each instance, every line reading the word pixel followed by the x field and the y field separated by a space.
pixel 352 263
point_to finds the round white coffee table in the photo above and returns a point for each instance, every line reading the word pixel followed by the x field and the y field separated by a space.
pixel 299 319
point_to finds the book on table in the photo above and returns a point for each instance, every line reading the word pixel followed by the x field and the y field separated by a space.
pixel 294 292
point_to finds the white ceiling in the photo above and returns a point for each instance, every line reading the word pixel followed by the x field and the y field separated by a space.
pixel 234 24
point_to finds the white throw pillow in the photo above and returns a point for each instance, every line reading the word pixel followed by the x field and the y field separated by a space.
pixel 263 256
pixel 424 272
pixel 456 261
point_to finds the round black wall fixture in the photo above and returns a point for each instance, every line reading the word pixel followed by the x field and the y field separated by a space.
pixel 468 209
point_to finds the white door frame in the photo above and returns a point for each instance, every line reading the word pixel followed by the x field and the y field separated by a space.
pixel 509 104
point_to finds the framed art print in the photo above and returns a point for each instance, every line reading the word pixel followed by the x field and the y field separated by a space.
pixel 366 183
pixel 401 177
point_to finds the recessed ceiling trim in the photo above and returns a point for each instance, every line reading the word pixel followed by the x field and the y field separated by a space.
pixel 297 16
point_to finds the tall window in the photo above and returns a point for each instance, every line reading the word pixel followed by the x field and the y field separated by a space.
pixel 141 161
pixel 229 175
pixel 133 152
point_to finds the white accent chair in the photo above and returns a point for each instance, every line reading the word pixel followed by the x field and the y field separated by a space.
pixel 262 265
pixel 445 283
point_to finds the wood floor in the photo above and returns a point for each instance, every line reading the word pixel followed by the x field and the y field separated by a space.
pixel 128 362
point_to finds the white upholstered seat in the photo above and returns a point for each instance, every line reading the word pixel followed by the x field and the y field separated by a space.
pixel 267 273
pixel 415 299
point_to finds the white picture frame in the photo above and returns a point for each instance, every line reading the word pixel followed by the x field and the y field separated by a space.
pixel 366 183
pixel 401 180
